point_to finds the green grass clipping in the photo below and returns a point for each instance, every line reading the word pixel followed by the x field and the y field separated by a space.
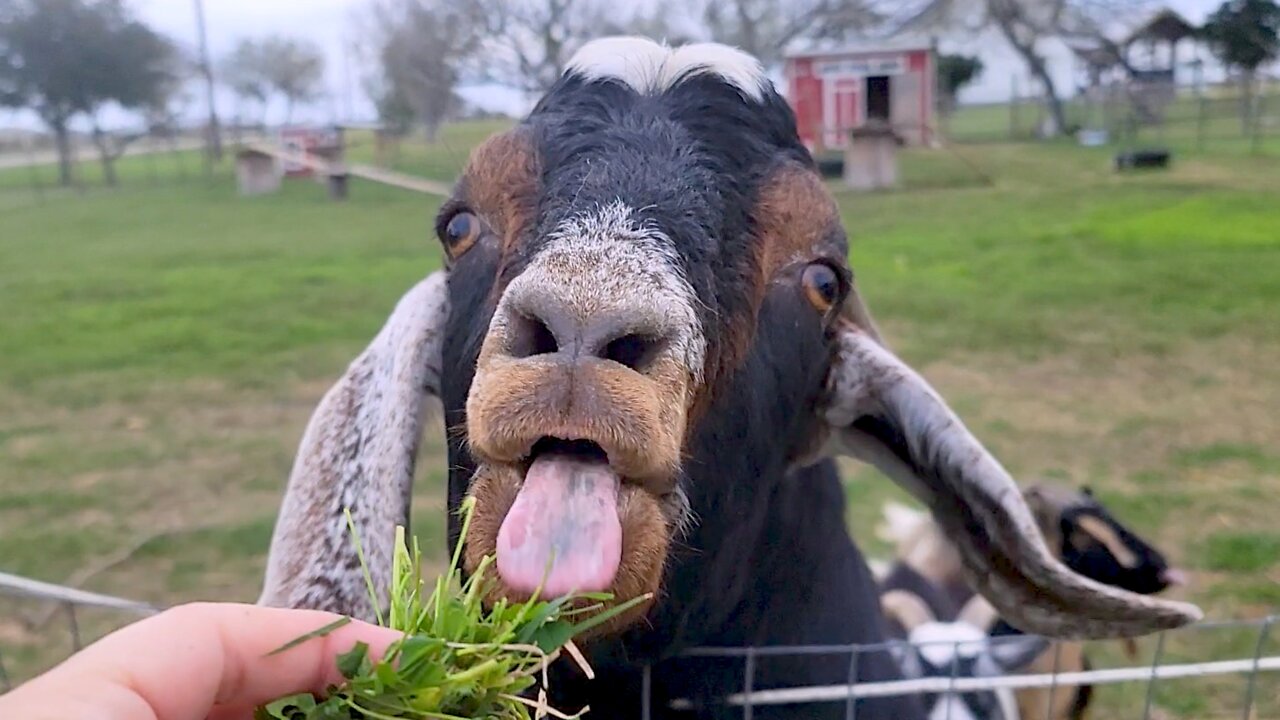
pixel 457 659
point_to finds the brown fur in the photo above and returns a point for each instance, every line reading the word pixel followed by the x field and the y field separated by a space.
pixel 1096 530
pixel 1057 703
pixel 500 183
pixel 638 421
pixel 796 220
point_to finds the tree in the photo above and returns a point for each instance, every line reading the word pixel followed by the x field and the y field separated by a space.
pixel 1024 24
pixel 954 72
pixel 138 71
pixel 421 47
pixel 531 41
pixel 292 69
pixel 295 70
pixel 765 28
pixel 242 71
pixel 64 58
pixel 1244 34
pixel 528 43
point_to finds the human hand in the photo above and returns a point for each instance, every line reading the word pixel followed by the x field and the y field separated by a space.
pixel 197 661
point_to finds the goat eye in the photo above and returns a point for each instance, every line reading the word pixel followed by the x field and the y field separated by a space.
pixel 821 285
pixel 460 233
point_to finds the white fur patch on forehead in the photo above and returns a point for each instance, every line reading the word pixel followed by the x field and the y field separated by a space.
pixel 604 261
pixel 650 68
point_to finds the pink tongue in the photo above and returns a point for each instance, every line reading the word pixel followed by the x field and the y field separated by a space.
pixel 563 526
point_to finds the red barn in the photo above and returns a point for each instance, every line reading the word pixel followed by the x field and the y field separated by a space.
pixel 835 91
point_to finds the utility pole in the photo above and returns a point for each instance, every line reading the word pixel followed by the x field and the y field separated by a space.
pixel 213 141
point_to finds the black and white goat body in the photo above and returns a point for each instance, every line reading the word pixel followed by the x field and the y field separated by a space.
pixel 649 348
pixel 1078 529
pixel 957 646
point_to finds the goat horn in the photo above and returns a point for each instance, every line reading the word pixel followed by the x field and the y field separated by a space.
pixel 883 413
pixel 358 453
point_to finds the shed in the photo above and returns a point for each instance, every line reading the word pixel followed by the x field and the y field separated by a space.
pixel 834 91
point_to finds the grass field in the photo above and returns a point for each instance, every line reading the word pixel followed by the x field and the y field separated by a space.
pixel 161 348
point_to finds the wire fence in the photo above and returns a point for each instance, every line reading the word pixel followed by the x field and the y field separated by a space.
pixel 1147 678
pixel 1205 118
pixel 69 603
pixel 33 170
pixel 1244 678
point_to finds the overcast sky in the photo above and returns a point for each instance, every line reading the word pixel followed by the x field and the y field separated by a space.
pixel 331 24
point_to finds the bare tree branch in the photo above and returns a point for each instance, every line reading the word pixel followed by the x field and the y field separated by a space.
pixel 765 28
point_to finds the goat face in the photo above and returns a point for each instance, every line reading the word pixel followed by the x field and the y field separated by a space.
pixel 961 648
pixel 1096 545
pixel 647 271
pixel 648 309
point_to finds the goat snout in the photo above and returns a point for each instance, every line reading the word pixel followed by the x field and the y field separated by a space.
pixel 543 322
pixel 566 361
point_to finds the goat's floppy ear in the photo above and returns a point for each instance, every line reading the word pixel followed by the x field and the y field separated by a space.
pixel 358 453
pixel 883 413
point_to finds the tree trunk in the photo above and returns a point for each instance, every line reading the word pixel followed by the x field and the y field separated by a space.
pixel 62 138
pixel 431 128
pixel 1039 69
pixel 109 170
pixel 103 142
pixel 1056 109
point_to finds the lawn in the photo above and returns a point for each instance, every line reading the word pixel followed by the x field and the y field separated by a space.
pixel 162 345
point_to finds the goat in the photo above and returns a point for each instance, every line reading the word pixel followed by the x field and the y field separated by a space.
pixel 649 349
pixel 958 646
pixel 1080 530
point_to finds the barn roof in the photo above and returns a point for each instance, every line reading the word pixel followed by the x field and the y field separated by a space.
pixel 1165 24
pixel 863 46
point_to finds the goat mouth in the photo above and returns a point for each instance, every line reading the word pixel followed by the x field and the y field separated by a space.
pixel 562 533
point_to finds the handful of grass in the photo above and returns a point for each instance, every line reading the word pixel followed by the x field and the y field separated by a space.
pixel 457 660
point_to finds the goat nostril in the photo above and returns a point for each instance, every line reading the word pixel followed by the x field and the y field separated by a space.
pixel 532 337
pixel 634 351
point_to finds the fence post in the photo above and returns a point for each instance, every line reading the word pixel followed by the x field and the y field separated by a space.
pixel 851 704
pixel 1053 689
pixel 76 644
pixel 33 169
pixel 1259 107
pixel 1253 676
pixel 150 152
pixel 1013 109
pixel 1201 121
pixel 1151 684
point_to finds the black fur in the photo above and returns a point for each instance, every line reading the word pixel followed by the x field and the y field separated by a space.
pixel 769 560
pixel 1094 560
pixel 1084 694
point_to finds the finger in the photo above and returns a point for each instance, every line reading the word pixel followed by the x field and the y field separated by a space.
pixel 190 659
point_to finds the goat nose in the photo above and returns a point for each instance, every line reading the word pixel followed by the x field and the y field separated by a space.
pixel 542 323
